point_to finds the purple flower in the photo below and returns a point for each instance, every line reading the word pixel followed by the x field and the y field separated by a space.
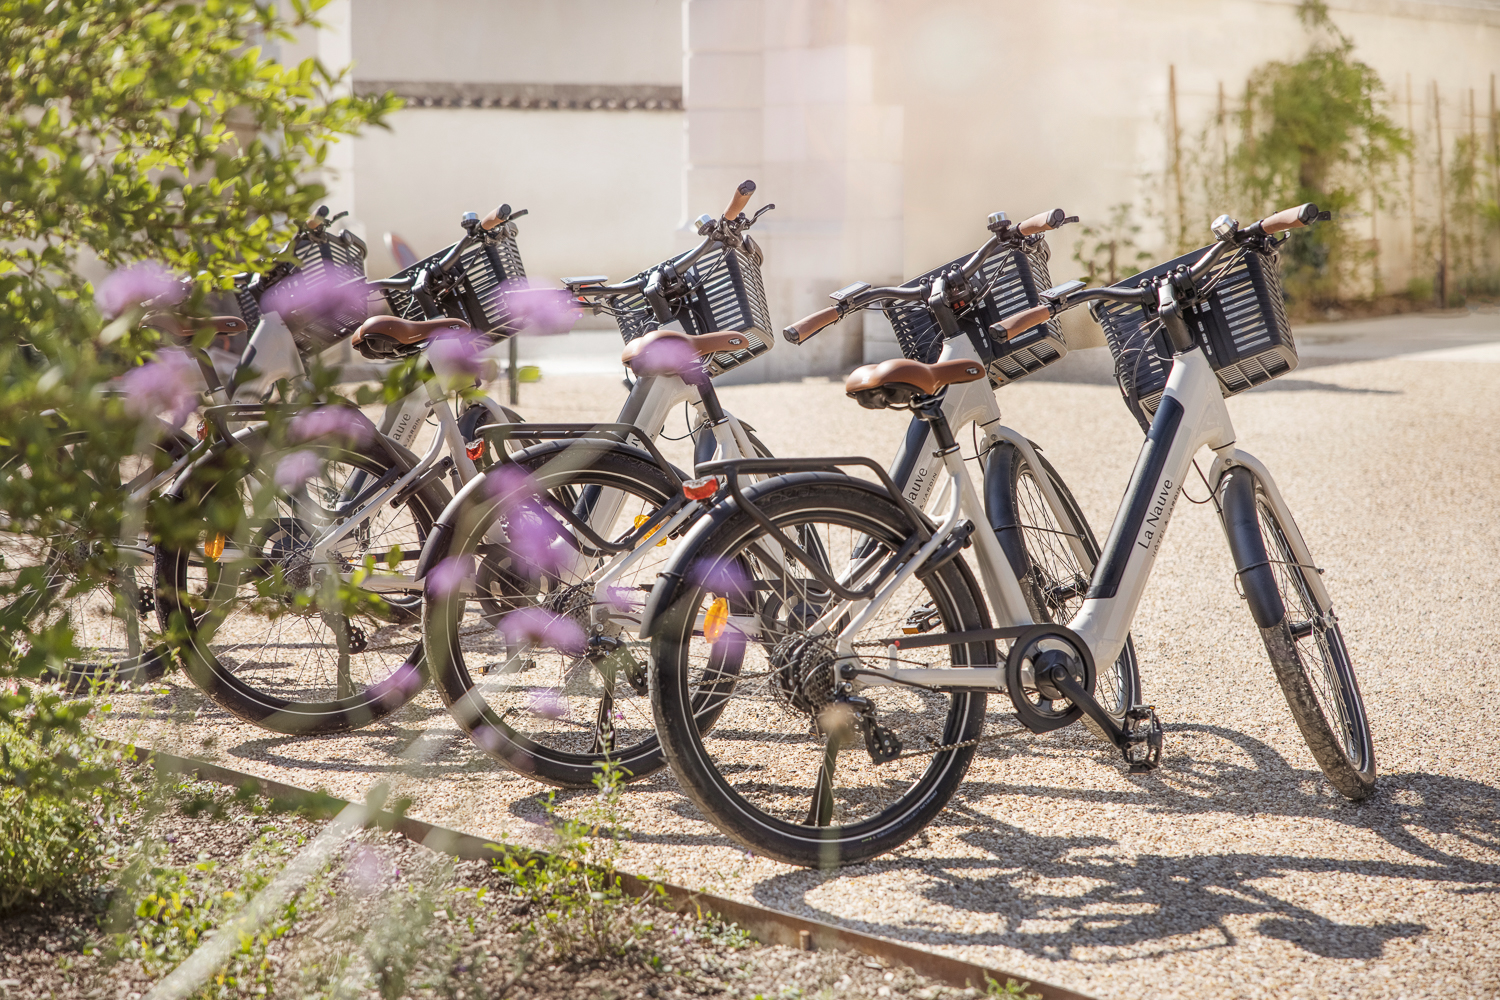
pixel 540 311
pixel 166 387
pixel 668 356
pixel 457 355
pixel 719 576
pixel 543 628
pixel 344 423
pixel 547 703
pixel 536 540
pixel 367 871
pixel 308 297
pixel 296 469
pixel 138 283
pixel 447 576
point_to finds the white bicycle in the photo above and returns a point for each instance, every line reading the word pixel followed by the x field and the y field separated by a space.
pixel 840 733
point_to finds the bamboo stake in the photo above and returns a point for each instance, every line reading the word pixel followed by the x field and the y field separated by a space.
pixel 1224 141
pixel 1176 154
pixel 1494 144
pixel 1437 118
pixel 1411 172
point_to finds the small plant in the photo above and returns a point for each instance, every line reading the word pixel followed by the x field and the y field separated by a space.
pixel 576 904
pixel 1110 252
pixel 992 988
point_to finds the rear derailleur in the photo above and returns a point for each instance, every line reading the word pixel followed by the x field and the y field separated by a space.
pixel 850 711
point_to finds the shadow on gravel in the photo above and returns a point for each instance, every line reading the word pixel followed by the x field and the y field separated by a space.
pixel 1304 384
pixel 1065 897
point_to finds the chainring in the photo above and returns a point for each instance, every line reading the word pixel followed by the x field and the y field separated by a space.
pixel 1040 706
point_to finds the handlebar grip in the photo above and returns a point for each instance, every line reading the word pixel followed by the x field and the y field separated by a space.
pixel 1289 218
pixel 1018 323
pixel 1042 222
pixel 740 200
pixel 802 331
pixel 495 218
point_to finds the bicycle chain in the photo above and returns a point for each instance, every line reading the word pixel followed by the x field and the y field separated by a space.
pixel 959 746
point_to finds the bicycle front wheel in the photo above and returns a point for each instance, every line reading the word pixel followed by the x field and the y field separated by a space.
pixel 797 767
pixel 1302 637
pixel 276 625
pixel 1053 552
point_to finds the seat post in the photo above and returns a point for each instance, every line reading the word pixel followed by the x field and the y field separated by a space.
pixel 712 408
pixel 929 409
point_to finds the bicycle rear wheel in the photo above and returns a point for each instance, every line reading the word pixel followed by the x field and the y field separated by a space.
pixel 264 630
pixel 792 769
pixel 1303 638
pixel 51 570
pixel 547 705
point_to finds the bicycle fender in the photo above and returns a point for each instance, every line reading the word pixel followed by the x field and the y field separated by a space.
pixel 675 579
pixel 1242 528
pixel 996 496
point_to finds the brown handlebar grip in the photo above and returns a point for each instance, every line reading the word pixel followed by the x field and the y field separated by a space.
pixel 740 200
pixel 1042 222
pixel 1018 323
pixel 802 330
pixel 495 218
pixel 1289 218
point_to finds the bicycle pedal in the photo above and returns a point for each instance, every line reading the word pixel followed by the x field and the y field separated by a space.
pixel 1143 739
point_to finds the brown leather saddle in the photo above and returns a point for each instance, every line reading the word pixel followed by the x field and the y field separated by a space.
pixel 662 352
pixel 188 327
pixel 900 380
pixel 381 337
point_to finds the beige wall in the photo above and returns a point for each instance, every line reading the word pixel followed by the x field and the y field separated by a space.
pixel 885 130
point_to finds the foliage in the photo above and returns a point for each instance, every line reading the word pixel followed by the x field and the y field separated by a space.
pixel 135 131
pixel 56 818
pixel 1110 252
pixel 1317 129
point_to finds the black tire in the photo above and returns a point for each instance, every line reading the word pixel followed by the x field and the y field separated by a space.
pixel 575 712
pixel 761 773
pixel 1303 641
pixel 110 607
pixel 247 629
pixel 1054 579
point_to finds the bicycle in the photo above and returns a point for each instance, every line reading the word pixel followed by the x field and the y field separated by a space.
pixel 790 779
pixel 281 611
pixel 526 714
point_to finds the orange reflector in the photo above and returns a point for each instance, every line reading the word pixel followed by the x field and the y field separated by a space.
pixel 203 430
pixel 716 620
pixel 700 489
pixel 214 547
pixel 641 519
pixel 474 449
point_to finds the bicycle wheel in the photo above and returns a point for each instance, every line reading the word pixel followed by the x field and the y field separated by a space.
pixel 1303 640
pixel 53 570
pixel 1043 545
pixel 792 768
pixel 544 674
pixel 261 628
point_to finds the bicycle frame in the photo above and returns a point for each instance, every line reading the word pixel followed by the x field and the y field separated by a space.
pixel 1192 415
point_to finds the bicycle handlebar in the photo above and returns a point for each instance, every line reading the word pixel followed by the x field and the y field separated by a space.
pixel 1045 222
pixel 805 327
pixel 1230 236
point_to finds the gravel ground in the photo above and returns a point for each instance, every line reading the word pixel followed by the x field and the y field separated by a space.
pixel 1234 871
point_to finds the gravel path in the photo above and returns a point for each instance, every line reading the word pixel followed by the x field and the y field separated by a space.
pixel 1234 871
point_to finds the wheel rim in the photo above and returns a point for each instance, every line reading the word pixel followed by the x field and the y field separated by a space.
pixel 765 754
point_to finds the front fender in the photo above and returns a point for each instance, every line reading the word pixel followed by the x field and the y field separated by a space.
pixel 1242 528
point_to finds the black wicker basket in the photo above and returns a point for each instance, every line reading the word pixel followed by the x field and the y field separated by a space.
pixel 475 287
pixel 321 298
pixel 725 294
pixel 1013 280
pixel 1242 327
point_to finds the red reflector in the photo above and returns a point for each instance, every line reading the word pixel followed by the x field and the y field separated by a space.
pixel 700 489
pixel 474 449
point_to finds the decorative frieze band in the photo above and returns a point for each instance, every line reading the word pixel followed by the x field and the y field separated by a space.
pixel 533 96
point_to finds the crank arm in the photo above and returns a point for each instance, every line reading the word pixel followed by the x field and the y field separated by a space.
pixel 1126 741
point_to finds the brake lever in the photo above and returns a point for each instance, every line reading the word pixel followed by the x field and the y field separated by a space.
pixel 766 208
